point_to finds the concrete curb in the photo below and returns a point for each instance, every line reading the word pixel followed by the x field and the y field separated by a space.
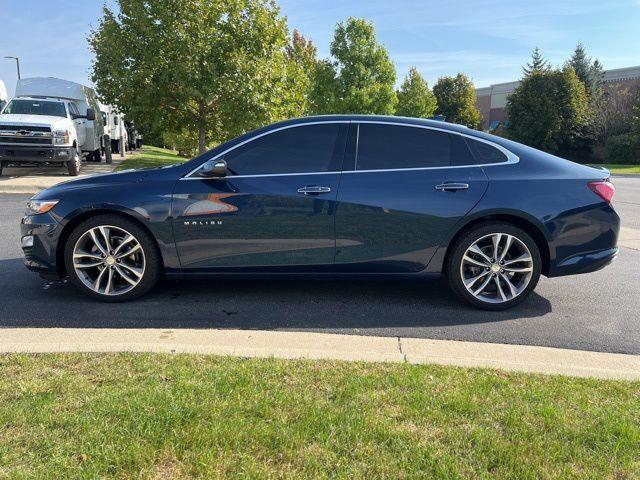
pixel 304 345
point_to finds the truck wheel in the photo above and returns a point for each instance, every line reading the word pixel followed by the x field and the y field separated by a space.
pixel 74 164
pixel 1 167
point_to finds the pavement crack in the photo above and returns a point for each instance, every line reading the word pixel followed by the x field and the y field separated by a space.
pixel 404 356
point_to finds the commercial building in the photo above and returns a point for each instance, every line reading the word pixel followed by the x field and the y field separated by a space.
pixel 492 100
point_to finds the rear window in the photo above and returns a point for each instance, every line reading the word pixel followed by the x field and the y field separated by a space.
pixel 383 147
pixel 485 153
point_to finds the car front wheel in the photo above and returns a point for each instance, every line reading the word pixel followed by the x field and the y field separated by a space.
pixel 494 266
pixel 112 259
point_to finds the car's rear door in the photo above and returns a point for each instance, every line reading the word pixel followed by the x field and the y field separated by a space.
pixel 403 192
pixel 275 209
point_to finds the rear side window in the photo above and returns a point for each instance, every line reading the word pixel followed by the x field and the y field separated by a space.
pixel 306 149
pixel 460 153
pixel 382 147
pixel 485 153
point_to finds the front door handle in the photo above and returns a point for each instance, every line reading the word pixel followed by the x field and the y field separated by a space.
pixel 313 190
pixel 452 186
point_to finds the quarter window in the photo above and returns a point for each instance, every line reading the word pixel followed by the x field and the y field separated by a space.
pixel 485 153
pixel 304 149
pixel 382 147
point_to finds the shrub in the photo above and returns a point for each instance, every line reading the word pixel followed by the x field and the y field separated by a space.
pixel 623 149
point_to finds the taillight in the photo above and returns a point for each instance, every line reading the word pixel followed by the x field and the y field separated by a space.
pixel 603 189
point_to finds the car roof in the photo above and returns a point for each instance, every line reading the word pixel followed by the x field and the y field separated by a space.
pixel 375 118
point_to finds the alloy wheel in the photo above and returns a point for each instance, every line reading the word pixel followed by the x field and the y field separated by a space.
pixel 109 260
pixel 496 268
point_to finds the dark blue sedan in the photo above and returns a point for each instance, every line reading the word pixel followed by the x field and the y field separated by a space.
pixel 335 195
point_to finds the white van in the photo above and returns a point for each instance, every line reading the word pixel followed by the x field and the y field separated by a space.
pixel 114 126
pixel 50 121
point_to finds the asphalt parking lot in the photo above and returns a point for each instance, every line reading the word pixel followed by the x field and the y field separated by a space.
pixel 598 312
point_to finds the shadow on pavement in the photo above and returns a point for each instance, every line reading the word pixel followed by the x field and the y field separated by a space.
pixel 28 301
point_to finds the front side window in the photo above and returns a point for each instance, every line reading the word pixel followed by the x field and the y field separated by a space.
pixel 383 147
pixel 304 149
pixel 485 153
pixel 35 107
pixel 73 109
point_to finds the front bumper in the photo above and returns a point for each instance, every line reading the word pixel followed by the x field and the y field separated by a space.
pixel 34 154
pixel 39 238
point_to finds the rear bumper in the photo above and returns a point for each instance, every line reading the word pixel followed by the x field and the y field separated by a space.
pixel 585 262
pixel 33 154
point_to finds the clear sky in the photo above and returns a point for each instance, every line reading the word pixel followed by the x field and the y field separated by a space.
pixel 488 40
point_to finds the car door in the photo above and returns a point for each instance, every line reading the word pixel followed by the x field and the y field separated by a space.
pixel 79 123
pixel 274 209
pixel 402 192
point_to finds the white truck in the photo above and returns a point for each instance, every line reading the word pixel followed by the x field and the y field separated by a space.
pixel 50 121
pixel 114 126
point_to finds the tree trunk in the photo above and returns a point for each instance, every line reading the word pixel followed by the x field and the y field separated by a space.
pixel 202 123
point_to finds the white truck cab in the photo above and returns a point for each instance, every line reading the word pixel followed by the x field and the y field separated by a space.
pixel 50 121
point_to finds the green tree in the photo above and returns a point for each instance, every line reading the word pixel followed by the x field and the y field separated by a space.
pixel 214 67
pixel 302 61
pixel 589 73
pixel 635 116
pixel 456 100
pixel 597 78
pixel 549 110
pixel 538 63
pixel 414 97
pixel 359 78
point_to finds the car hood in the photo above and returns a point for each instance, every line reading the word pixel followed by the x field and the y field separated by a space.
pixel 37 120
pixel 126 177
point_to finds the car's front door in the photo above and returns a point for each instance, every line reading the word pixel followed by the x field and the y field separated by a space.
pixel 403 192
pixel 80 124
pixel 274 209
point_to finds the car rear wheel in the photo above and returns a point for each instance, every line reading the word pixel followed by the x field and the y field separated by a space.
pixel 494 266
pixel 112 259
pixel 74 164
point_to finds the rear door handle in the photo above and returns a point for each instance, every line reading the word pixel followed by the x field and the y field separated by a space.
pixel 313 190
pixel 452 186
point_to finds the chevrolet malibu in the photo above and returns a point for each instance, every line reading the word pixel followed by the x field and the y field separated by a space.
pixel 355 196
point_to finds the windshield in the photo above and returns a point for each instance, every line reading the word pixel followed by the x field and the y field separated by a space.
pixel 35 107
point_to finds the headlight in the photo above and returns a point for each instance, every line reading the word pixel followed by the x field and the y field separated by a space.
pixel 36 207
pixel 61 137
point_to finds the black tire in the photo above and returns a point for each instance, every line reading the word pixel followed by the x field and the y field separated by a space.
pixel 74 164
pixel 153 263
pixel 96 156
pixel 466 240
pixel 2 165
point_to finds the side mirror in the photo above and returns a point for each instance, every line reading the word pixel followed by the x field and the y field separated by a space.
pixel 91 114
pixel 213 169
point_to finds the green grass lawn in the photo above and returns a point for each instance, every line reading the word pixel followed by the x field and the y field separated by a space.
pixel 151 157
pixel 620 169
pixel 161 416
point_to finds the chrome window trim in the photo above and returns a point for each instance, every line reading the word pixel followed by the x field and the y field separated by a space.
pixel 286 127
pixel 511 157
